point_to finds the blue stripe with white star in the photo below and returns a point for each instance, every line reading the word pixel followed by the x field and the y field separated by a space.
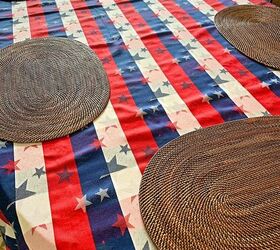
pixel 96 182
pixel 263 73
pixel 53 19
pixel 156 121
pixel 225 106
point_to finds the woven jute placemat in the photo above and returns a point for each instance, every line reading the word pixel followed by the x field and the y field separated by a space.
pixel 253 30
pixel 49 88
pixel 216 188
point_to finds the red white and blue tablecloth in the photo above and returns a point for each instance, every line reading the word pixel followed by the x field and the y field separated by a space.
pixel 170 72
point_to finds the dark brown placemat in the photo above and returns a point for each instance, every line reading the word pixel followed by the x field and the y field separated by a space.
pixel 49 88
pixel 253 30
pixel 216 188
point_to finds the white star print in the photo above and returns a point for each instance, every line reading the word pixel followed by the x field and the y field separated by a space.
pixel 82 203
pixel 103 193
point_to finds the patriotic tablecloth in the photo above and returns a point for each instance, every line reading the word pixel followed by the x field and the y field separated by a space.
pixel 170 73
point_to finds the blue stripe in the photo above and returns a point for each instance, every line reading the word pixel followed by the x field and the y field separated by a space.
pixel 263 73
pixel 142 94
pixel 53 19
pixel 94 174
pixel 227 3
pixel 225 106
pixel 6 24
pixel 8 195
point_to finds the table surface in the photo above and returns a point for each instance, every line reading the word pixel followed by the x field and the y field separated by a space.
pixel 170 72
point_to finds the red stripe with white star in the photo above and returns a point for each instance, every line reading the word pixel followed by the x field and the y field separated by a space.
pixel 248 80
pixel 68 204
pixel 177 77
pixel 131 118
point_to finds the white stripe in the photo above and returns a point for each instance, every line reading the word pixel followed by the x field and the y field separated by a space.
pixel 172 103
pixel 33 210
pixel 240 2
pixel 232 87
pixel 127 181
pixel 205 8
pixel 21 30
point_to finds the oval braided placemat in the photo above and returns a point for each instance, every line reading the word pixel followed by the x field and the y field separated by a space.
pixel 253 30
pixel 49 87
pixel 216 188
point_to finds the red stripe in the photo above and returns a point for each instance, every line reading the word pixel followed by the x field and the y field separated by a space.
pixel 203 111
pixel 71 227
pixel 262 2
pixel 37 20
pixel 264 96
pixel 126 113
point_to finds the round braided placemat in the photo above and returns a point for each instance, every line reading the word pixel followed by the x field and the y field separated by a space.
pixel 254 30
pixel 49 88
pixel 216 188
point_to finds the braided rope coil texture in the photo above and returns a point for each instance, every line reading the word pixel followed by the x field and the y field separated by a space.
pixel 253 30
pixel 50 87
pixel 216 188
